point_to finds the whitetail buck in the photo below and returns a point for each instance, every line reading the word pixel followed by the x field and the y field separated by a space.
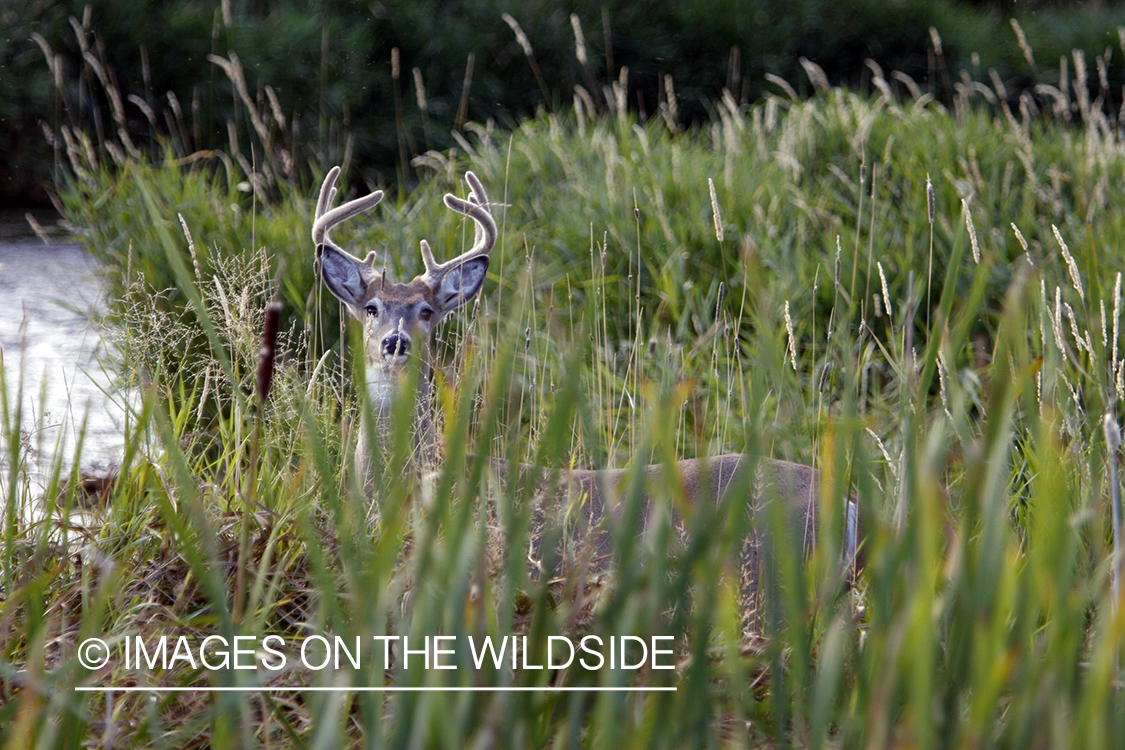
pixel 398 320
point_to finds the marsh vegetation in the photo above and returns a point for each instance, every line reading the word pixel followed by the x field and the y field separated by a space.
pixel 922 298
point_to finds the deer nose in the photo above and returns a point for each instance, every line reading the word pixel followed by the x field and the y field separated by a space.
pixel 396 345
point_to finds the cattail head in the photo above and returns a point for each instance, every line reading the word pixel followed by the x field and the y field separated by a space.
pixel 826 376
pixel 269 350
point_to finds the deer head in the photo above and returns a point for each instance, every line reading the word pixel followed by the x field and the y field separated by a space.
pixel 399 318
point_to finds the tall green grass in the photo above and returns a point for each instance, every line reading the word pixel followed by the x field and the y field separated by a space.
pixel 811 307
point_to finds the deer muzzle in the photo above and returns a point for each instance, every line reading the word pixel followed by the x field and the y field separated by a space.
pixel 396 346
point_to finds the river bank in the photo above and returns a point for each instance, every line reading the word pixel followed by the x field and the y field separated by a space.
pixel 54 353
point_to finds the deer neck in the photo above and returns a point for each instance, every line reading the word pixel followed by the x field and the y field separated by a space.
pixel 385 386
pixel 382 387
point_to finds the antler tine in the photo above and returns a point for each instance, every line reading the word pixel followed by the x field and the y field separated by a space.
pixel 323 219
pixel 327 192
pixel 476 208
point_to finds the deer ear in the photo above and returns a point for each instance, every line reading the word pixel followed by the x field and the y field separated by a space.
pixel 346 277
pixel 463 282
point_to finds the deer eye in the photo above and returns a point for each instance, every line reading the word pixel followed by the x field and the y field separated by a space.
pixel 373 311
pixel 425 313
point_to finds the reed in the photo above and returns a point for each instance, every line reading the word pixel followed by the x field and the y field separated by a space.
pixel 631 322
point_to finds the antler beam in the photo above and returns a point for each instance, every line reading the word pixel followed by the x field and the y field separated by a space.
pixel 476 208
pixel 323 219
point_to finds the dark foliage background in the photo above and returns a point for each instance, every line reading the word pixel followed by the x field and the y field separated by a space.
pixel 331 64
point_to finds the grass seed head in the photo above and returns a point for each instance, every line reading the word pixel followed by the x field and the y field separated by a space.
pixel 715 215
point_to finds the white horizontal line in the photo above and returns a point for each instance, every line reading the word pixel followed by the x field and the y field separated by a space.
pixel 365 689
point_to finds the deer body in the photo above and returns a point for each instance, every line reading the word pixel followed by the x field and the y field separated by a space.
pixel 398 320
pixel 582 504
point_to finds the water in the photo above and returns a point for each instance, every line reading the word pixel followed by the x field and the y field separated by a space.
pixel 51 299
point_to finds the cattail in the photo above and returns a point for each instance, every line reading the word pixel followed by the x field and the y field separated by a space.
pixel 715 215
pixel 826 376
pixel 269 350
